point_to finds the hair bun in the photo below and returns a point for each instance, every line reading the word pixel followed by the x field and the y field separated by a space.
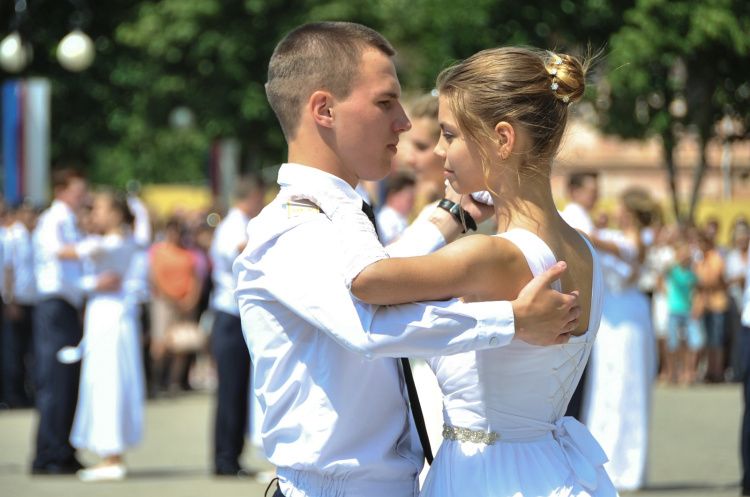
pixel 568 77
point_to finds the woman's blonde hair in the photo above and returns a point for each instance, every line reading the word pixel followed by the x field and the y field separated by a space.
pixel 524 87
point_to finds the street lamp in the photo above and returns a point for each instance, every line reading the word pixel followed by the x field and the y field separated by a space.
pixel 75 52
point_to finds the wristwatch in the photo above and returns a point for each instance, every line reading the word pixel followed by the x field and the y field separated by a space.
pixel 459 214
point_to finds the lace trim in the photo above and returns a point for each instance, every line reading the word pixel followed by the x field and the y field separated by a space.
pixel 466 435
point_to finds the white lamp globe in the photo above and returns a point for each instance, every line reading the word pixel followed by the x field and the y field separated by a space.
pixel 14 55
pixel 76 51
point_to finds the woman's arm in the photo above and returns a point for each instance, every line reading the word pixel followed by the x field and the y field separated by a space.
pixel 469 266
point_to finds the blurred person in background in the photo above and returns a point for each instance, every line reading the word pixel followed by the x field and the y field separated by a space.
pixel 710 229
pixel 660 257
pixel 230 353
pixel 735 271
pixel 109 413
pixel 427 165
pixel 57 323
pixel 621 370
pixel 684 320
pixel 712 302
pixel 19 297
pixel 393 217
pixel 176 289
pixel 143 234
pixel 583 192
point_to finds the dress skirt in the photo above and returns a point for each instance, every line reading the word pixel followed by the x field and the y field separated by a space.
pixel 109 415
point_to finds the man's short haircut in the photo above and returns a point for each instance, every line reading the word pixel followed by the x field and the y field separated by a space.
pixel 63 176
pixel 247 185
pixel 317 56
pixel 399 181
pixel 576 180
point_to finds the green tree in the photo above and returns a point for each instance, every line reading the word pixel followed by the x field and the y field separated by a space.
pixel 676 67
pixel 210 57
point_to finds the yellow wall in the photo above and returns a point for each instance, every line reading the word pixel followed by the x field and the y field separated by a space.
pixel 163 200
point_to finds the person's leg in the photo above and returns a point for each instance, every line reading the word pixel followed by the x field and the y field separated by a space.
pixel 696 340
pixel 745 442
pixel 14 392
pixel 57 325
pixel 27 330
pixel 671 347
pixel 233 370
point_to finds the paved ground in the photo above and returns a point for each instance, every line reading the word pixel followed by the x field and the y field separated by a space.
pixel 694 451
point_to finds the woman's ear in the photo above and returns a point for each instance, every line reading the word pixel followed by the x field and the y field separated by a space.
pixel 320 105
pixel 505 137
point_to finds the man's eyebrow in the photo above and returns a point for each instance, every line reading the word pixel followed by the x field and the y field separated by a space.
pixel 389 94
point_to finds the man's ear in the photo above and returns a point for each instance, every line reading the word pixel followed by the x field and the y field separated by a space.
pixel 505 137
pixel 320 105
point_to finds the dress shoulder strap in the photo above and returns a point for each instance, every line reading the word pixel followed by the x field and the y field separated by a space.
pixel 538 255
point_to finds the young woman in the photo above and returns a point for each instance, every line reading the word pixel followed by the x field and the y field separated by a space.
pixel 617 403
pixel 502 116
pixel 109 414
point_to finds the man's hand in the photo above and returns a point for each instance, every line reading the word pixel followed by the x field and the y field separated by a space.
pixel 108 282
pixel 544 316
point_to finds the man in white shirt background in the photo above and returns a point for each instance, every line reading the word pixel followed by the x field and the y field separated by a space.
pixel 227 342
pixel 61 288
pixel 393 217
pixel 336 419
pixel 19 297
pixel 583 191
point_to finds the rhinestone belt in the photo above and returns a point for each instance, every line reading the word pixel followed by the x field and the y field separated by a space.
pixel 466 435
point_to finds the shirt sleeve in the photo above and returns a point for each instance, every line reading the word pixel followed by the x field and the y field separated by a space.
pixel 421 238
pixel 303 271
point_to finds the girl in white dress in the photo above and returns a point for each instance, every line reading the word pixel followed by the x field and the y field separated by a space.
pixel 109 414
pixel 502 115
pixel 623 363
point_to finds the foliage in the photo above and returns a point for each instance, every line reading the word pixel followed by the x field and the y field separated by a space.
pixel 210 57
pixel 679 51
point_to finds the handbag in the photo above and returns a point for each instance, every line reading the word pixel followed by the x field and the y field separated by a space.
pixel 185 336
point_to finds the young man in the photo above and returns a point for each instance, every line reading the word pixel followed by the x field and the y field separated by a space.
pixel 227 343
pixel 61 288
pixel 335 415
pixel 583 190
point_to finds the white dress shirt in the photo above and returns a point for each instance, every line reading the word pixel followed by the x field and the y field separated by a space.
pixel 391 224
pixel 225 247
pixel 19 255
pixel 335 415
pixel 55 277
pixel 577 217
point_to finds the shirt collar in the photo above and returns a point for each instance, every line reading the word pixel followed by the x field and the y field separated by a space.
pixel 302 176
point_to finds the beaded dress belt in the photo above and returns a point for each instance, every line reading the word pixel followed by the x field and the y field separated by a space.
pixel 466 435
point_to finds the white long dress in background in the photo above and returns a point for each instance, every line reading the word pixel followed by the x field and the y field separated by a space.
pixel 505 433
pixel 617 403
pixel 109 414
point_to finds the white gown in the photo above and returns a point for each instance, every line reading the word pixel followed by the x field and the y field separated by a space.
pixel 505 433
pixel 109 414
pixel 618 394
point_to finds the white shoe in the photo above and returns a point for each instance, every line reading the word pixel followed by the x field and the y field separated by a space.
pixel 110 472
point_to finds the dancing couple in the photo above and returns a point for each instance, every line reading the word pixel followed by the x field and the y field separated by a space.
pixel 327 311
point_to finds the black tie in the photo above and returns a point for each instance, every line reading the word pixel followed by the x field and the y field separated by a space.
pixel 411 387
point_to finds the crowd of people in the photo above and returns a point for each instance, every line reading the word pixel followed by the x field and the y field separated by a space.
pixel 103 307
pixel 100 314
